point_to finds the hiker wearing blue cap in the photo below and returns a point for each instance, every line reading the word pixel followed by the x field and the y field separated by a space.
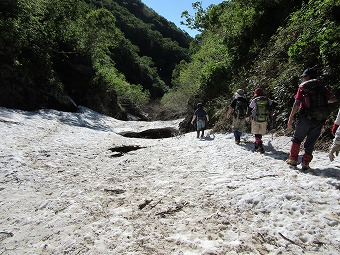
pixel 312 100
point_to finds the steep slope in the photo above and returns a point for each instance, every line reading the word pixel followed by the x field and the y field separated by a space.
pixel 96 52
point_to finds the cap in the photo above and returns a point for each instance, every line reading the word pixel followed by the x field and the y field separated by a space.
pixel 199 105
pixel 240 92
pixel 311 72
pixel 258 92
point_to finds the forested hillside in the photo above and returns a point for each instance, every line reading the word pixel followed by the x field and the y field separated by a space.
pixel 249 44
pixel 116 56
pixel 111 56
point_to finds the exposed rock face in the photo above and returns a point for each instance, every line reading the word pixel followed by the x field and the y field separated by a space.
pixel 30 99
pixel 72 85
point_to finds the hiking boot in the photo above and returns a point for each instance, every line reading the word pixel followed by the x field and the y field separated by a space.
pixel 307 157
pixel 291 162
pixel 260 148
pixel 305 165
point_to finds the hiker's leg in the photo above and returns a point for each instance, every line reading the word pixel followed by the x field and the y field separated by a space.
pixel 313 135
pixel 237 136
pixel 305 161
pixel 203 128
pixel 258 142
pixel 258 138
pixel 200 126
pixel 309 144
pixel 254 130
pixel 293 154
pixel 236 128
pixel 294 151
pixel 301 129
pixel 255 127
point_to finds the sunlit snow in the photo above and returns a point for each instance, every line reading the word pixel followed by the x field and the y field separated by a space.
pixel 71 184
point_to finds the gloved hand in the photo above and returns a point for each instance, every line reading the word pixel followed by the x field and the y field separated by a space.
pixel 334 128
pixel 334 149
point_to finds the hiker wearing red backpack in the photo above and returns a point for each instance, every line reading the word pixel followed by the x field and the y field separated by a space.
pixel 238 109
pixel 261 107
pixel 312 100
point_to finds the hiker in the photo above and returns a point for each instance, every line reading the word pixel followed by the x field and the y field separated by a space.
pixel 261 108
pixel 238 109
pixel 335 148
pixel 312 100
pixel 201 118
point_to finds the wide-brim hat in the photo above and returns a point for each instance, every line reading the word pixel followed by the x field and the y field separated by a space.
pixel 240 92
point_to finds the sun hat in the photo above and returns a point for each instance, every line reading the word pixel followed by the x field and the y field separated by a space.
pixel 240 92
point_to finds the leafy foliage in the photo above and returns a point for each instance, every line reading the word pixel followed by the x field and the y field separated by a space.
pixel 89 50
pixel 263 44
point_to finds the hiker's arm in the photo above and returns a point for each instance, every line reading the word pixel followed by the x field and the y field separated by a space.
pixel 207 116
pixel 193 118
pixel 230 111
pixel 272 107
pixel 273 104
pixel 295 108
pixel 248 113
pixel 331 98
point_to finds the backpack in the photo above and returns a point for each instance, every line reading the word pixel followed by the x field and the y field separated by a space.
pixel 315 101
pixel 200 113
pixel 241 108
pixel 261 112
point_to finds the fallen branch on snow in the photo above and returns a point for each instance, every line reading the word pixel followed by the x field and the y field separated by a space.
pixel 291 241
pixel 264 176
pixel 172 210
pixel 146 202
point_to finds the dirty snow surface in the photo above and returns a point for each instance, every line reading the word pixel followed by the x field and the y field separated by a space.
pixel 71 184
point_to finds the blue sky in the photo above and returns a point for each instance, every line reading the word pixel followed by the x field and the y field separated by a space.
pixel 172 10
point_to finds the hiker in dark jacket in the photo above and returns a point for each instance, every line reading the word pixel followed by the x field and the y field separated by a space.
pixel 312 101
pixel 201 118
pixel 238 109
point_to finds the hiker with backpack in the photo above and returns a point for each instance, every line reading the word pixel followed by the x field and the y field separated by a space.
pixel 238 109
pixel 201 118
pixel 312 101
pixel 261 108
pixel 335 148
